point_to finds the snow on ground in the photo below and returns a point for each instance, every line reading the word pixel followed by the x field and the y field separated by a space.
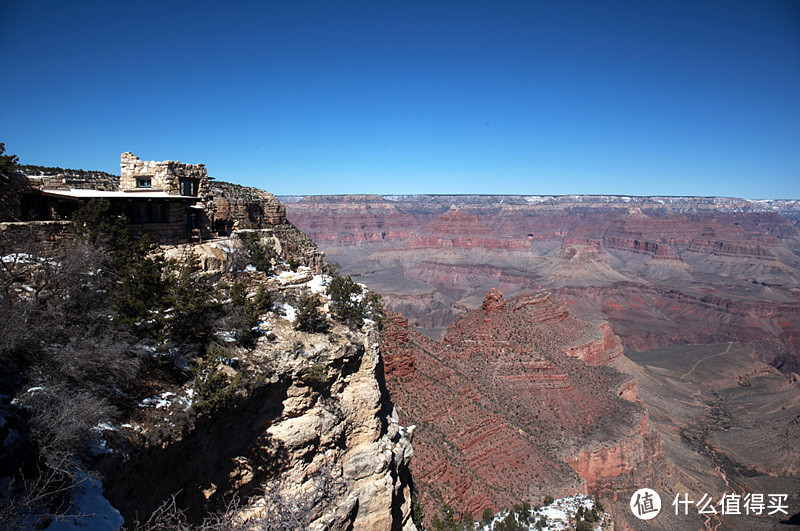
pixel 25 258
pixel 30 390
pixel 290 312
pixel 533 199
pixel 221 245
pixel 18 258
pixel 262 327
pixel 168 399
pixel 317 284
pixel 228 336
pixel 560 514
pixel 91 509
pixel 161 401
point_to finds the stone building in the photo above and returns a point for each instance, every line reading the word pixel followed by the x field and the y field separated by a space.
pixel 169 201
pixel 165 200
pixel 170 176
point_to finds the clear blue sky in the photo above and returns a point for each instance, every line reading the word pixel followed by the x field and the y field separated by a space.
pixel 298 97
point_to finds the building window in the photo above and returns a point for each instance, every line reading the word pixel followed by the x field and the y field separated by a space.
pixel 140 213
pixel 157 212
pixel 144 182
pixel 188 186
pixel 120 209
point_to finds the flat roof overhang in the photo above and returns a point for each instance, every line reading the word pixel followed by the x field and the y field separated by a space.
pixel 79 194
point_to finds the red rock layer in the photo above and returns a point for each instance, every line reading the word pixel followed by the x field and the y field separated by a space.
pixel 395 341
pixel 728 263
pixel 518 402
pixel 659 251
pixel 493 302
pixel 646 317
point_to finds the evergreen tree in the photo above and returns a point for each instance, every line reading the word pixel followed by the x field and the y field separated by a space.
pixel 347 300
pixel 8 163
pixel 309 317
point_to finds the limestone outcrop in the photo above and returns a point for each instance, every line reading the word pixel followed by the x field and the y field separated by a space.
pixel 308 439
pixel 240 205
pixel 342 437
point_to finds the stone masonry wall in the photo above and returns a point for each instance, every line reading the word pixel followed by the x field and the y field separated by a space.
pixel 15 236
pixel 172 230
pixel 165 175
pixel 91 181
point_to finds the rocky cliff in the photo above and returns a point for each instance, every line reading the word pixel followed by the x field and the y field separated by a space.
pixel 235 203
pixel 235 206
pixel 520 400
pixel 311 437
pixel 224 405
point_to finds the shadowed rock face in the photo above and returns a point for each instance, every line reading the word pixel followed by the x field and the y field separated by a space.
pixel 661 270
pixel 518 401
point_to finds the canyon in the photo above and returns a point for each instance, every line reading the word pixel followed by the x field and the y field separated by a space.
pixel 637 342
pixel 534 346
pixel 661 270
pixel 521 400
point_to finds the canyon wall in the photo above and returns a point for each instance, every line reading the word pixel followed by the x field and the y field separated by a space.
pixel 518 401
pixel 311 427
pixel 309 434
pixel 705 269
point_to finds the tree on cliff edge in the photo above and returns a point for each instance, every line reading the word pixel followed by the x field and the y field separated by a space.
pixel 8 163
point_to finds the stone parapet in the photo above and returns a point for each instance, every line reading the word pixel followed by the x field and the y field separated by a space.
pixel 15 235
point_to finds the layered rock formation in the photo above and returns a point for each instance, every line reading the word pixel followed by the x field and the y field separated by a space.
pixel 234 206
pixel 234 203
pixel 518 401
pixel 310 438
pixel 725 260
